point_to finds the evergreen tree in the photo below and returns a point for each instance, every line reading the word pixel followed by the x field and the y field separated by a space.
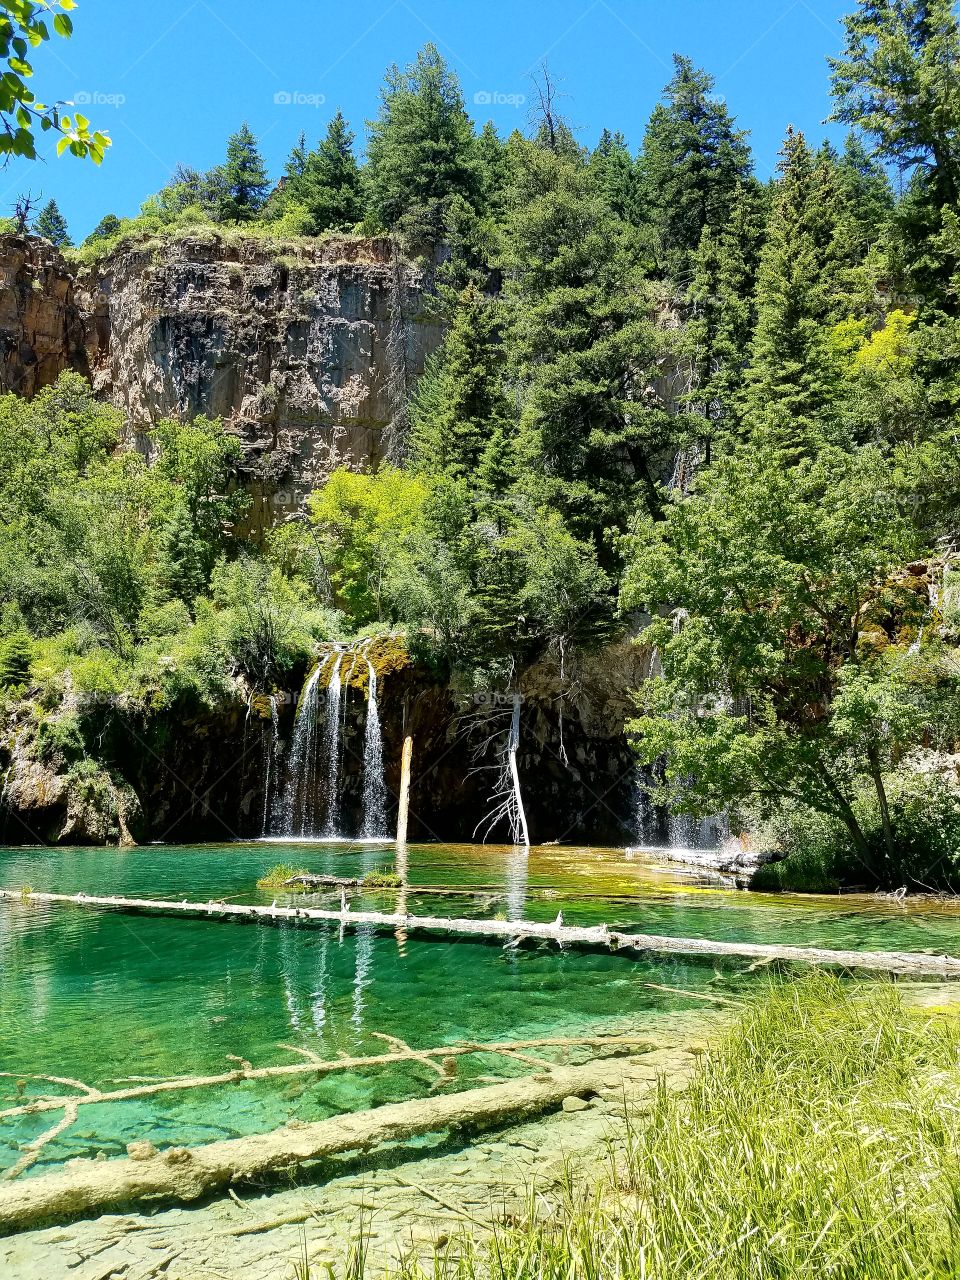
pixel 497 472
pixel 494 161
pixel 691 162
pixel 721 312
pixel 899 81
pixel 422 166
pixel 297 160
pixel 329 186
pixel 52 225
pixel 866 202
pixel 615 175
pixel 108 226
pixel 459 403
pixel 585 349
pixel 790 380
pixel 245 179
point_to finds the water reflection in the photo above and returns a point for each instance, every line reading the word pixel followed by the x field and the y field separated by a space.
pixel 517 876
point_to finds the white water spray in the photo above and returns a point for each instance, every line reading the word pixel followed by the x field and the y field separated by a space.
pixel 374 787
pixel 333 737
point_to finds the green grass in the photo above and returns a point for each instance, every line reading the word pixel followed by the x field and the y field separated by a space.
pixel 277 877
pixel 819 1138
pixel 382 878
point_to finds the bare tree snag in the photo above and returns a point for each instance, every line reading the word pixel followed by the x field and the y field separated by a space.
pixel 403 811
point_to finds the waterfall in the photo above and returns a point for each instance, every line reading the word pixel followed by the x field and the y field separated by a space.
pixel 647 817
pixel 333 740
pixel 271 752
pixel 659 829
pixel 686 832
pixel 309 802
pixel 299 801
pixel 374 787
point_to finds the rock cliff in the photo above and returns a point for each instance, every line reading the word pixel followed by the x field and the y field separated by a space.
pixel 306 350
pixel 42 330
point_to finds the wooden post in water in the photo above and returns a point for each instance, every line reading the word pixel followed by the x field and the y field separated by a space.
pixel 403 812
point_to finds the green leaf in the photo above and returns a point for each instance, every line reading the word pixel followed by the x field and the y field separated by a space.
pixel 62 145
pixel 63 25
pixel 67 4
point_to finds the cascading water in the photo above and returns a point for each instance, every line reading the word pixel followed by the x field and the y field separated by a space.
pixel 309 803
pixel 296 806
pixel 334 693
pixel 665 832
pixel 271 761
pixel 374 787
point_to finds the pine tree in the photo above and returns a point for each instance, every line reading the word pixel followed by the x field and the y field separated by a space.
pixel 297 160
pixel 52 225
pixel 866 199
pixel 459 402
pixel 497 471
pixel 329 186
pixel 899 82
pixel 790 382
pixel 690 165
pixel 422 166
pixel 493 158
pixel 245 179
pixel 585 349
pixel 108 226
pixel 721 312
pixel 615 175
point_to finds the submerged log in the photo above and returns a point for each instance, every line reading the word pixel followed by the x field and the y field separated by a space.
pixel 309 881
pixel 513 932
pixel 182 1174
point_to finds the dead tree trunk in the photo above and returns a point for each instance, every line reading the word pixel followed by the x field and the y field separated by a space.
pixel 513 932
pixel 182 1174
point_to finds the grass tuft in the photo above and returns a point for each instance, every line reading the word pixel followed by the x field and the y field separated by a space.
pixel 819 1138
pixel 277 877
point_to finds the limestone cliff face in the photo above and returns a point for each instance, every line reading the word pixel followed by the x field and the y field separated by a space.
pixel 306 350
pixel 306 353
pixel 42 331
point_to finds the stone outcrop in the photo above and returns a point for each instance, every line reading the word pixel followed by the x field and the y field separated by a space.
pixel 306 350
pixel 42 330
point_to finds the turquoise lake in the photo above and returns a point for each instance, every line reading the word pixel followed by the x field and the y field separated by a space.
pixel 105 997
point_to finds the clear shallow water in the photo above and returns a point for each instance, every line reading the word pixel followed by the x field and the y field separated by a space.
pixel 102 997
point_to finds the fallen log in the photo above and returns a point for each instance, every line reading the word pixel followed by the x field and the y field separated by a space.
pixel 180 1174
pixel 513 932
pixel 312 1066
pixel 308 881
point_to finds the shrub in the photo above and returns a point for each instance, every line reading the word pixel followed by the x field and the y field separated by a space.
pixel 61 736
pixel 816 854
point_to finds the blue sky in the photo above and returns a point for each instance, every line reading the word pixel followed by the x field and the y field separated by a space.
pixel 170 80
